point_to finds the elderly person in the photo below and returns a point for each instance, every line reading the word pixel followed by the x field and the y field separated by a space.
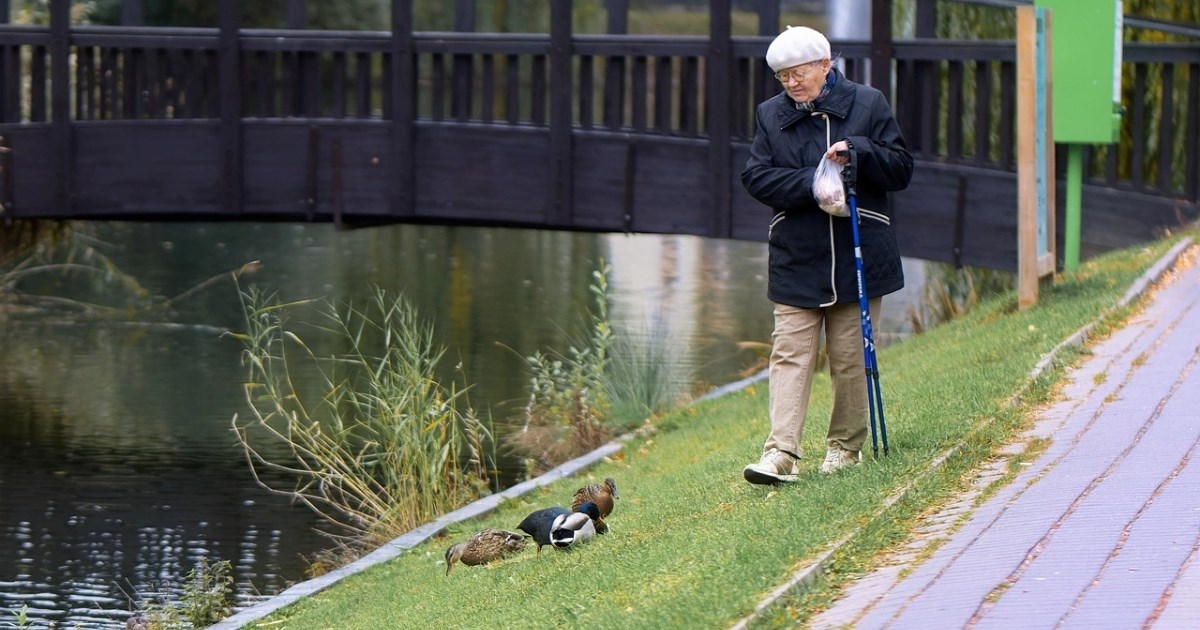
pixel 812 279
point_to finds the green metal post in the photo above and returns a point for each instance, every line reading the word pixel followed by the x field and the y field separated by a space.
pixel 1071 228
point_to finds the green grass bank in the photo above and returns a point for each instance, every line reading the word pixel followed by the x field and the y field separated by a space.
pixel 693 545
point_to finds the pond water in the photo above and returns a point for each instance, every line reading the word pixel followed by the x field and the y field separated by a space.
pixel 118 468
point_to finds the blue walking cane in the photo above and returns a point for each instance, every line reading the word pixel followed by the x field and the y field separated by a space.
pixel 874 396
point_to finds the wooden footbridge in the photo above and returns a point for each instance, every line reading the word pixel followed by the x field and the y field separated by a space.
pixel 561 130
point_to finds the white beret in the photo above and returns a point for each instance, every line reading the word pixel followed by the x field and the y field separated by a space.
pixel 797 45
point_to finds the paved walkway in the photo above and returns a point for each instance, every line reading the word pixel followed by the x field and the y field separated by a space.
pixel 1101 530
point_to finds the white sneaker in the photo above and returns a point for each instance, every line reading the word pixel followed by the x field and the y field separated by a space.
pixel 774 467
pixel 837 458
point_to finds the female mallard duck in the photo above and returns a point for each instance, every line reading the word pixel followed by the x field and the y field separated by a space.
pixel 484 547
pixel 561 527
pixel 600 494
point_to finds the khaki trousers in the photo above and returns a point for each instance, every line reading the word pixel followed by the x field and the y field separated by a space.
pixel 795 346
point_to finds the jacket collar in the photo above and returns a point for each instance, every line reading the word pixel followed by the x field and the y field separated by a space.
pixel 837 103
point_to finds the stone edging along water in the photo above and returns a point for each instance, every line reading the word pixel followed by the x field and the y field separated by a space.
pixel 488 504
pixel 811 571
pixel 424 532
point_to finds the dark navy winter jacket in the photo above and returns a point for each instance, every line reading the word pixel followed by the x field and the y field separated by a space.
pixel 811 253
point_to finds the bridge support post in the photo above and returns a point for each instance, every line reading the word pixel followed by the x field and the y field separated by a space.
pixel 229 64
pixel 60 105
pixel 720 105
pixel 561 204
pixel 403 137
pixel 882 49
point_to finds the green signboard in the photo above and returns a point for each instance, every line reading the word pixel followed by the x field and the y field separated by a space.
pixel 1086 37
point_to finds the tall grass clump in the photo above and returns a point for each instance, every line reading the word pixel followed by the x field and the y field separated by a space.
pixel 950 292
pixel 380 446
pixel 603 385
pixel 565 415
pixel 643 377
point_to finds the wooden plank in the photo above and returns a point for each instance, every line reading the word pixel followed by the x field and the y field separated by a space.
pixel 587 89
pixel 689 97
pixel 339 84
pixel 488 93
pixel 954 111
pixel 1048 263
pixel 1137 166
pixel 362 84
pixel 1166 130
pixel 537 92
pixel 1008 99
pixel 983 112
pixel 10 84
pixel 149 168
pixel 638 89
pixel 663 78
pixel 1192 159
pixel 512 87
pixel 30 171
pixel 505 159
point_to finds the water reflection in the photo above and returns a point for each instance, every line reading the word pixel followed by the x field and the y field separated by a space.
pixel 118 470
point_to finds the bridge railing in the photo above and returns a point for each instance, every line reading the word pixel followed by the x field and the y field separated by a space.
pixel 955 99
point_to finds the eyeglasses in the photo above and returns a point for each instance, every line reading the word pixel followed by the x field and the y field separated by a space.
pixel 791 75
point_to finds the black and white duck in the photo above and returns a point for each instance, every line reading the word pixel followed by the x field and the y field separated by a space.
pixel 561 527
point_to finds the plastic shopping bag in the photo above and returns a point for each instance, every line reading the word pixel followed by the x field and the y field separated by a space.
pixel 828 188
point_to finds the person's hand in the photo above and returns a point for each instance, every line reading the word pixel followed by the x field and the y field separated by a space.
pixel 839 152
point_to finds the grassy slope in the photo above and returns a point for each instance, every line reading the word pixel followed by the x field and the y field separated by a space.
pixel 692 543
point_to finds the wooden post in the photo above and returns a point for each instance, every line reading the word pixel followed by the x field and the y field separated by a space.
pixel 560 208
pixel 403 110
pixel 926 18
pixel 1027 282
pixel 297 18
pixel 9 64
pixel 614 67
pixel 768 26
pixel 230 91
pixel 133 13
pixel 462 76
pixel 60 104
pixel 1035 161
pixel 881 47
pixel 768 18
pixel 719 88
